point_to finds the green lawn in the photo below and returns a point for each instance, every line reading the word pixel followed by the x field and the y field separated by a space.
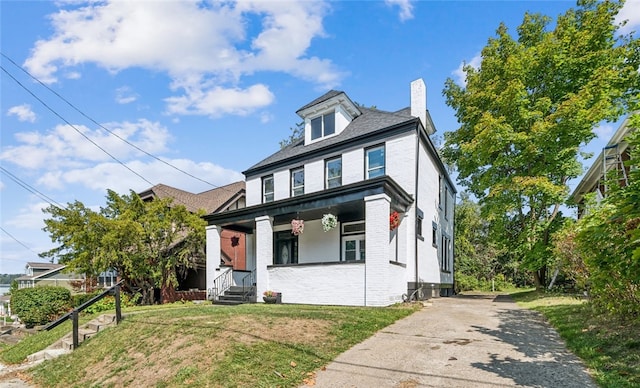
pixel 204 345
pixel 609 346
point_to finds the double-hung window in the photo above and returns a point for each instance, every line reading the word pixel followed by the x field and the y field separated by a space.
pixel 297 182
pixel 446 202
pixel 267 189
pixel 333 172
pixel 445 265
pixel 324 125
pixel 375 161
pixel 353 237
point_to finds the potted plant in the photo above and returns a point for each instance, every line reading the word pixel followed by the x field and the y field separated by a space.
pixel 329 221
pixel 394 220
pixel 269 296
pixel 297 227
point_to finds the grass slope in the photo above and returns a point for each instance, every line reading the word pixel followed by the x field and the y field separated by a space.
pixel 608 345
pixel 209 346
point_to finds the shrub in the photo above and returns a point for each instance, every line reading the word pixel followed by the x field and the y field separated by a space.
pixel 109 303
pixel 40 305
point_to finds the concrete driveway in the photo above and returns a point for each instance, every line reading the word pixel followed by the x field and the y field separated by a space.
pixel 461 341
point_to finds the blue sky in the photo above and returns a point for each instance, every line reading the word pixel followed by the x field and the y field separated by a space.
pixel 210 88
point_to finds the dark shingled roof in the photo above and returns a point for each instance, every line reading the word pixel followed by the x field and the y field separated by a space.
pixel 210 201
pixel 324 97
pixel 370 121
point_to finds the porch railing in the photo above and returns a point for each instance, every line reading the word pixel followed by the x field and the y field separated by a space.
pixel 222 283
pixel 247 285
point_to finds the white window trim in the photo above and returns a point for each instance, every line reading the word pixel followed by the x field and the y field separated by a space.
pixel 293 187
pixel 326 171
pixel 322 119
pixel 366 161
pixel 264 193
pixel 358 238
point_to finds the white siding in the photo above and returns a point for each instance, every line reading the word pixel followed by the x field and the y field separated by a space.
pixel 315 245
pixel 281 185
pixel 428 262
pixel 314 176
pixel 400 160
pixel 254 191
pixel 331 284
pixel 353 166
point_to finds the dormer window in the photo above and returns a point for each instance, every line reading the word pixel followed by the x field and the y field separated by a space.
pixel 323 126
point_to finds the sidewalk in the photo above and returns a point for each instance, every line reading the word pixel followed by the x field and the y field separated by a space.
pixel 461 341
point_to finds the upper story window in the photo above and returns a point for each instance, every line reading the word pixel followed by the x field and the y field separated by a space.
pixel 333 172
pixel 375 161
pixel 440 191
pixel 446 202
pixel 297 182
pixel 267 189
pixel 323 126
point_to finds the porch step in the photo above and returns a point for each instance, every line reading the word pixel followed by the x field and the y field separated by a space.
pixel 235 296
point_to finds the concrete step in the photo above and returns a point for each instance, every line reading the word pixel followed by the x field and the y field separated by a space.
pixel 227 302
pixel 47 354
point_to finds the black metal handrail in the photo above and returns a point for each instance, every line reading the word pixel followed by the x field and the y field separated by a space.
pixel 247 290
pixel 73 314
pixel 223 282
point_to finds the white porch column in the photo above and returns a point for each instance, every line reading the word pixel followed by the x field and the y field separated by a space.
pixel 213 255
pixel 377 249
pixel 264 253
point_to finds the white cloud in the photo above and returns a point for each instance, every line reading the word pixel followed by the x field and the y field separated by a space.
pixel 406 8
pixel 124 95
pixel 29 217
pixel 66 147
pixel 460 76
pixel 22 112
pixel 118 178
pixel 631 13
pixel 205 47
pixel 604 131
pixel 218 101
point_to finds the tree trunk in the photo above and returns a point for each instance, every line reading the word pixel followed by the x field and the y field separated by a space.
pixel 540 277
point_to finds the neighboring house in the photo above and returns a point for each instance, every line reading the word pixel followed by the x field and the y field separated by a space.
pixel 221 199
pixel 612 158
pixel 48 274
pixel 362 166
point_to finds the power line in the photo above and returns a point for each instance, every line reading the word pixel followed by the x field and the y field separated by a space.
pixel 102 126
pixel 74 127
pixel 18 241
pixel 31 189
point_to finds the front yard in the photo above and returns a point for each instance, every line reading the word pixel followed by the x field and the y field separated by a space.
pixel 204 345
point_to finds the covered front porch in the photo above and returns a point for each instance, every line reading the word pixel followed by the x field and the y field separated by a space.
pixel 359 262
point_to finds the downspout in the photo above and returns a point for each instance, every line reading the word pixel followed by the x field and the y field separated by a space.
pixel 415 215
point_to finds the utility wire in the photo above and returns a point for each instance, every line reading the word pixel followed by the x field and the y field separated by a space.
pixel 31 189
pixel 103 127
pixel 18 241
pixel 74 127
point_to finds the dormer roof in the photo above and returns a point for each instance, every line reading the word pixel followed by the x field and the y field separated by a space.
pixel 328 100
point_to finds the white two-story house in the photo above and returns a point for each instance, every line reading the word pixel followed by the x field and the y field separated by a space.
pixel 380 176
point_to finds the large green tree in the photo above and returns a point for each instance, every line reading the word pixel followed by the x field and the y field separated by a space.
pixel 144 241
pixel 527 110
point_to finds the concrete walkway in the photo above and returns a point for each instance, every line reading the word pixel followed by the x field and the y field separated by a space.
pixel 462 341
